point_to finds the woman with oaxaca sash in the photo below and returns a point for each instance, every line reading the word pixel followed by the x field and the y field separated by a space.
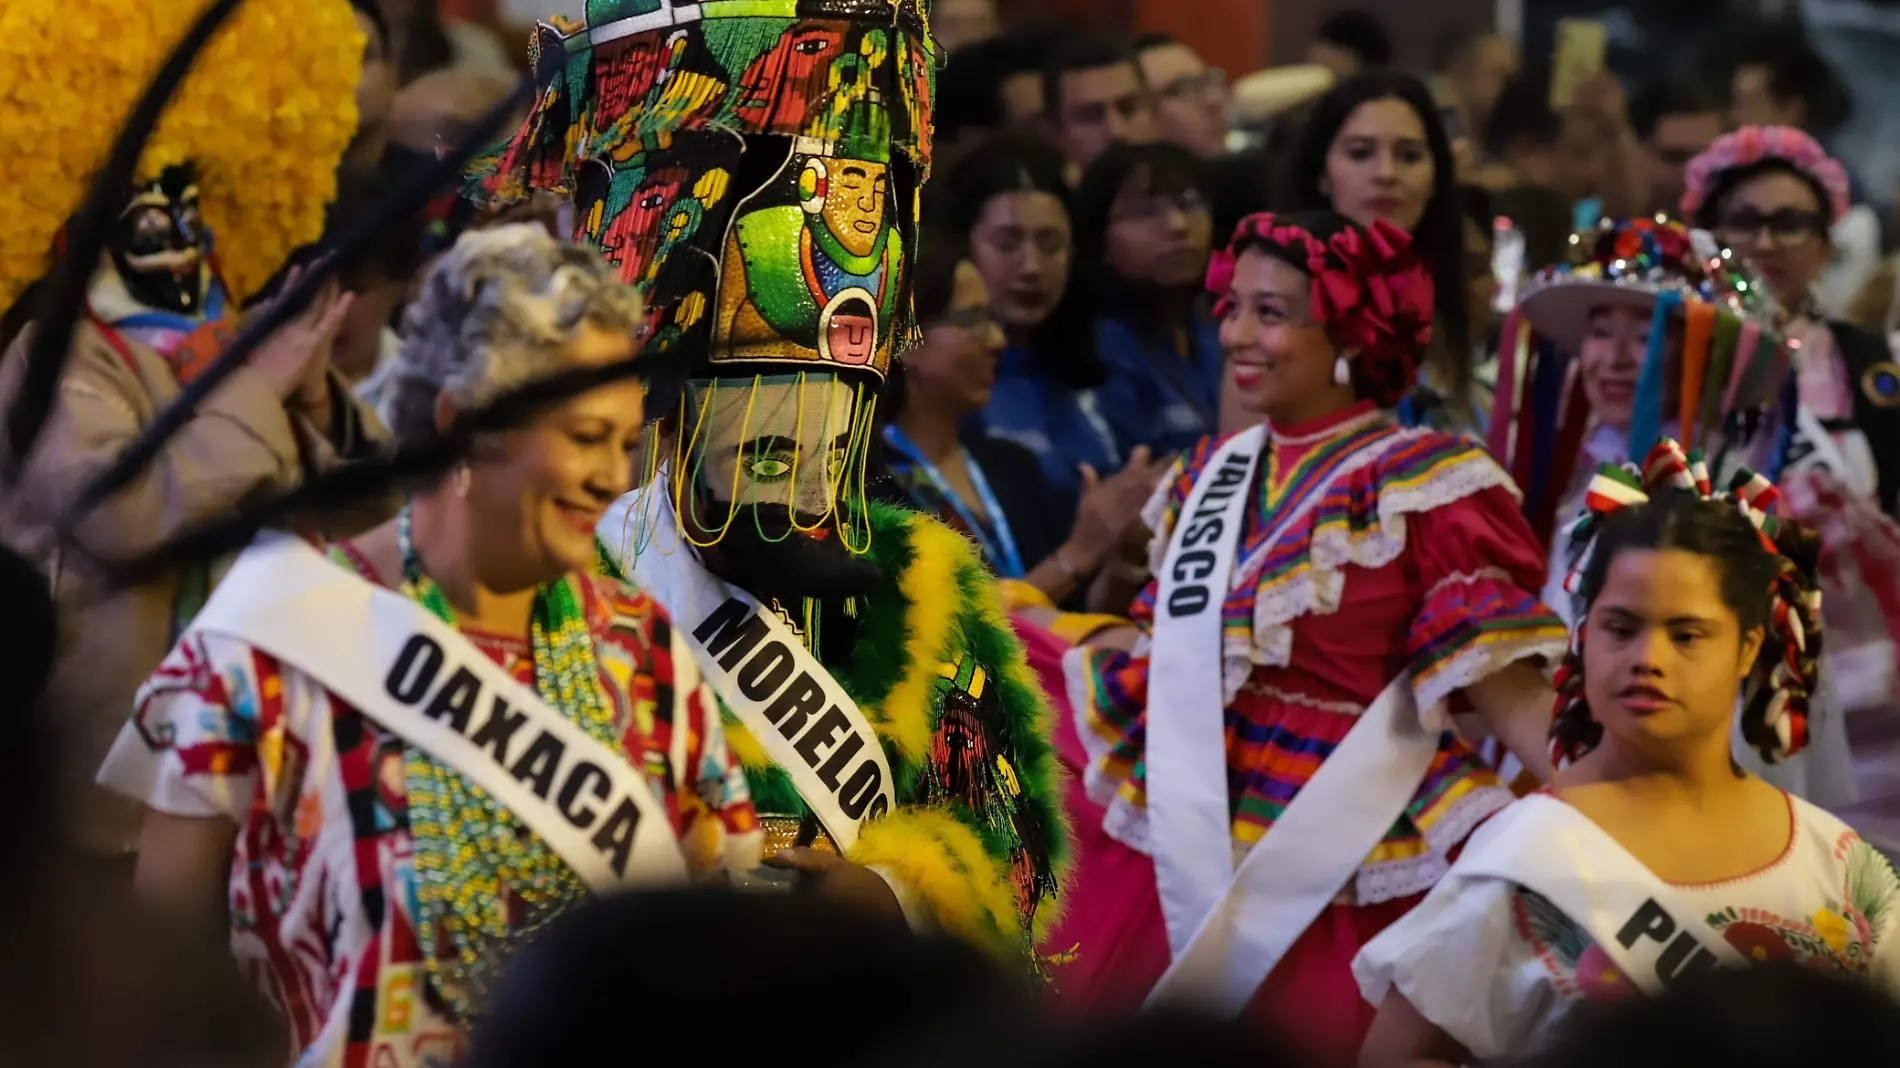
pixel 1329 585
pixel 393 765
pixel 1653 855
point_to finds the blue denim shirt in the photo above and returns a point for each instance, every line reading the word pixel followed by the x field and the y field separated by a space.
pixel 1153 397
pixel 1063 427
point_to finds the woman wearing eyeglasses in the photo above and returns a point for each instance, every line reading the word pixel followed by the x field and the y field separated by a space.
pixel 1143 236
pixel 1773 194
pixel 989 489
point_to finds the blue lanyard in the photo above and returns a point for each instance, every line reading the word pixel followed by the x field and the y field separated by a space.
pixel 1002 548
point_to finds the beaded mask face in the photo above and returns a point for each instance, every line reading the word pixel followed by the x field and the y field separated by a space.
pixel 160 244
pixel 769 468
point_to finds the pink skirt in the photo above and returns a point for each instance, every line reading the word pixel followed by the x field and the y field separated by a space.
pixel 1111 945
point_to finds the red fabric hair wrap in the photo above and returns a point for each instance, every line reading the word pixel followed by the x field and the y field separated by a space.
pixel 1369 291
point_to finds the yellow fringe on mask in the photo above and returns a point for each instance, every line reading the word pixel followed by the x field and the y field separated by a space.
pixel 930 586
pixel 944 861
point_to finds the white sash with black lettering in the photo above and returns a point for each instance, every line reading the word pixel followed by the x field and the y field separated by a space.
pixel 1190 824
pixel 415 675
pixel 1547 847
pixel 770 682
pixel 1308 856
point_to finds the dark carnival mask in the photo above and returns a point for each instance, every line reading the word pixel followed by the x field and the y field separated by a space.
pixel 160 245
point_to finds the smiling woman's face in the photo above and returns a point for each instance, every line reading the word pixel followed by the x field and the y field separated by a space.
pixel 1610 359
pixel 542 489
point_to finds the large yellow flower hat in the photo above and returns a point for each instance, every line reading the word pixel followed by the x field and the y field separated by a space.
pixel 266 113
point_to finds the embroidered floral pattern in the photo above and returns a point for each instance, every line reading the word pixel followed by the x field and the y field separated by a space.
pixel 1838 933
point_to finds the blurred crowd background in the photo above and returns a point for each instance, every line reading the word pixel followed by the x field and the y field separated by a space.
pixel 1091 155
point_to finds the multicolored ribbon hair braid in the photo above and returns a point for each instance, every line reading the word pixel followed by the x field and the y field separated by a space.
pixel 1775 713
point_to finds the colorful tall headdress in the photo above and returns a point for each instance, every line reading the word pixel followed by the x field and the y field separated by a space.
pixel 266 114
pixel 1733 356
pixel 1777 702
pixel 755 166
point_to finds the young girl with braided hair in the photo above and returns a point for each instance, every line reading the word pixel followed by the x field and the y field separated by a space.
pixel 1653 855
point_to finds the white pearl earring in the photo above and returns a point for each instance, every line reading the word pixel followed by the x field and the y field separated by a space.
pixel 1342 371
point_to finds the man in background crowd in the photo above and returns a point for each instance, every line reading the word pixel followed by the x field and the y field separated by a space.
pixel 1093 97
pixel 958 24
pixel 1674 122
pixel 1782 81
pixel 1190 97
pixel 1472 65
pixel 1349 43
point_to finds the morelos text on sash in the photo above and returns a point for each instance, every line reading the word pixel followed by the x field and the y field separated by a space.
pixel 764 668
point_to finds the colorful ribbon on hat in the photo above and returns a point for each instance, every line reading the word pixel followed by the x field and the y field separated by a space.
pixel 1668 467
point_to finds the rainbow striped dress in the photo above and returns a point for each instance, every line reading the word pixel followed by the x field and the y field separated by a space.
pixel 1411 551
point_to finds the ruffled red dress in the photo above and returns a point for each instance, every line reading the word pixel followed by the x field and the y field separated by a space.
pixel 1413 555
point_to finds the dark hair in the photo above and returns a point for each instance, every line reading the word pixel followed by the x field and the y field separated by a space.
pixel 1775 1015
pixel 396 254
pixel 426 45
pixel 934 277
pixel 1064 344
pixel 1476 205
pixel 692 958
pixel 1723 184
pixel 373 11
pixel 935 274
pixel 1522 115
pixel 1079 53
pixel 1752 582
pixel 1796 71
pixel 1360 33
pixel 1678 96
pixel 969 93
pixel 1457 42
pixel 1164 169
pixel 1440 236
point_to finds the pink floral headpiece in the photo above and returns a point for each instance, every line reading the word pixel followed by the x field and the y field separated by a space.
pixel 1369 291
pixel 1753 144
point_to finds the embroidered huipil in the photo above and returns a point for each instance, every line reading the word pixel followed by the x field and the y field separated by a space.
pixel 1413 555
pixel 1497 966
pixel 322 892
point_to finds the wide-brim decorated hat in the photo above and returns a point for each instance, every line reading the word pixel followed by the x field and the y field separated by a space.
pixel 1634 264
pixel 1732 357
pixel 265 115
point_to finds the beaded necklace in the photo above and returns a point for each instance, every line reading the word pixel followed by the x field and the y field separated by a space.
pixel 483 881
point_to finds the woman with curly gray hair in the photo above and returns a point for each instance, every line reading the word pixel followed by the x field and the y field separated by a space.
pixel 458 733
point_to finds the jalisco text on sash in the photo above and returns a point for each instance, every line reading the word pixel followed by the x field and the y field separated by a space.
pixel 762 668
pixel 1193 566
pixel 543 764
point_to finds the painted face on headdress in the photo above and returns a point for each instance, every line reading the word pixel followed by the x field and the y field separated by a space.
pixel 755 166
pixel 160 244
